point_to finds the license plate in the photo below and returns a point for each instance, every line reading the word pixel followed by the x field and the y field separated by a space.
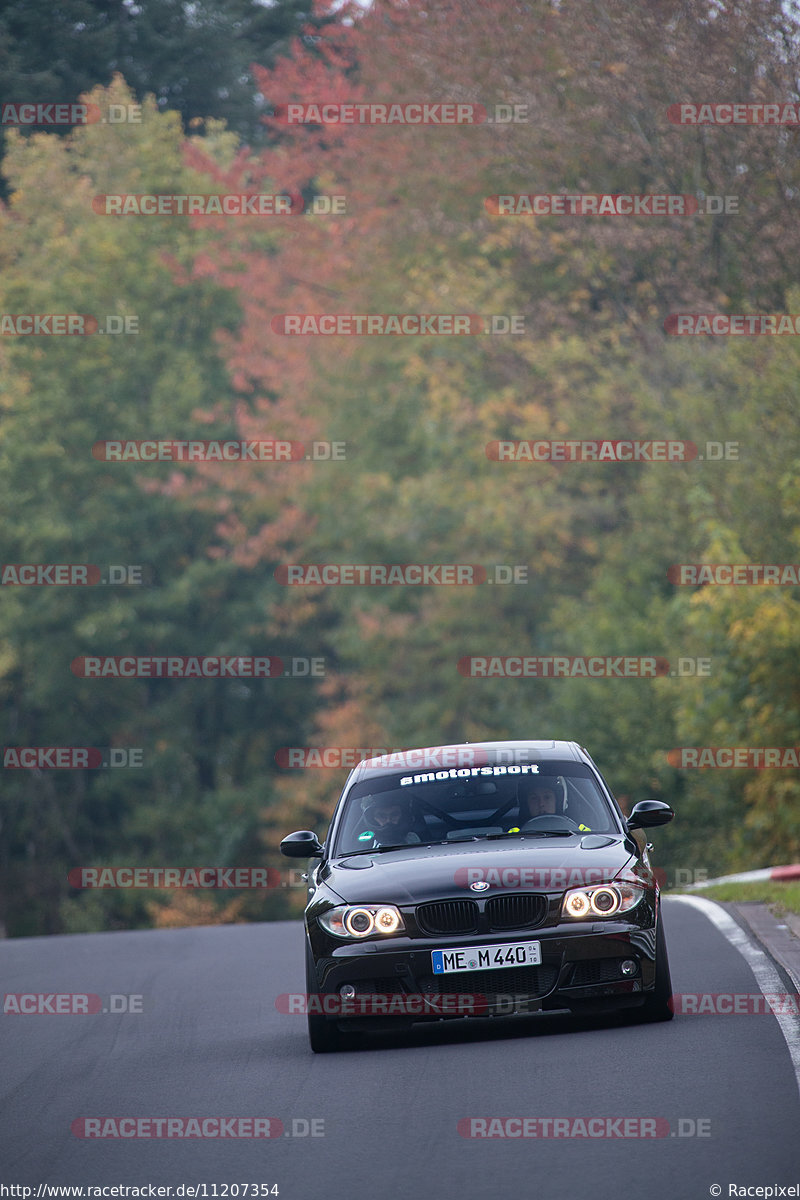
pixel 486 958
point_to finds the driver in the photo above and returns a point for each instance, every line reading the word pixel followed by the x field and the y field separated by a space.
pixel 541 797
pixel 389 820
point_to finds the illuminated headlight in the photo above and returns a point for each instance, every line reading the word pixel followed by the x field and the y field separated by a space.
pixel 359 922
pixel 363 921
pixel 606 901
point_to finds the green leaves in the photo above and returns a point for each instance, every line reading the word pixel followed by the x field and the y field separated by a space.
pixel 589 360
pixel 61 504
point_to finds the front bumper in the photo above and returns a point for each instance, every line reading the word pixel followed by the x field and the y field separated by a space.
pixel 580 971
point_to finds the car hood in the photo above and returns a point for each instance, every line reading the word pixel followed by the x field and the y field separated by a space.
pixel 415 874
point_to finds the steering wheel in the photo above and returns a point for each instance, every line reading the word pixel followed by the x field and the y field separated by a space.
pixel 552 821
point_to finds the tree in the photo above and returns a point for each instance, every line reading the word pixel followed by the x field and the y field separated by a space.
pixel 593 360
pixel 204 742
pixel 195 58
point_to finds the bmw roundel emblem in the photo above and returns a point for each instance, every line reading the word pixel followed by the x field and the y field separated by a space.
pixel 480 886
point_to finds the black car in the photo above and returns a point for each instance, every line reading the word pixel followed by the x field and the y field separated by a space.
pixel 484 879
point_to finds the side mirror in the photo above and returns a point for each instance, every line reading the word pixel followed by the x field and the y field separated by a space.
pixel 303 844
pixel 648 813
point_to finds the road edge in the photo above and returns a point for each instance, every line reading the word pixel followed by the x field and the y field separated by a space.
pixel 767 970
pixel 780 939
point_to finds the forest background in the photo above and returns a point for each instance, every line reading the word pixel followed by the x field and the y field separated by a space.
pixel 590 83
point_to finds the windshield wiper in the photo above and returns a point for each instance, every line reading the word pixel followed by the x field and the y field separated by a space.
pixel 374 850
pixel 408 846
pixel 493 837
pixel 472 837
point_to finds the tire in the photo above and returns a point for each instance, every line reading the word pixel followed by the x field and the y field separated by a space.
pixel 323 1033
pixel 658 1003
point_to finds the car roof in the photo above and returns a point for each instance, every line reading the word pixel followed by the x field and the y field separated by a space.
pixel 458 754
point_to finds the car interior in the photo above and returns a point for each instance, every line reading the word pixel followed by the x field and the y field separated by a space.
pixel 449 810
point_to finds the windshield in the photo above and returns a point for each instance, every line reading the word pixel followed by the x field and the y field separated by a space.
pixel 539 799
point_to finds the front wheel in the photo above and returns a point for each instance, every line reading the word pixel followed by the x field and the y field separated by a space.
pixel 323 1034
pixel 658 1003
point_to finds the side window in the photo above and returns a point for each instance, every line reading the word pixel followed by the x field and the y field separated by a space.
pixel 586 807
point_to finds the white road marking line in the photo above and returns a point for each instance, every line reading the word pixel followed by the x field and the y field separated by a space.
pixel 759 963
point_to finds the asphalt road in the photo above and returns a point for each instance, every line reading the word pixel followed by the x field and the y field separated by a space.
pixel 210 1042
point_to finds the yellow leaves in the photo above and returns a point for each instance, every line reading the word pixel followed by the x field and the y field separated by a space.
pixel 9 659
pixel 501 238
pixel 187 908
pixel 773 619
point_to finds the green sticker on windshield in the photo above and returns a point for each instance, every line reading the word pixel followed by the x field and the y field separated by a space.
pixel 366 836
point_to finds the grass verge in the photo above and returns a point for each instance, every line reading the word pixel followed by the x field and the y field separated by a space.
pixel 779 897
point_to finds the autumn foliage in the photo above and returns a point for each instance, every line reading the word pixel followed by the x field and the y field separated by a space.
pixel 588 86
